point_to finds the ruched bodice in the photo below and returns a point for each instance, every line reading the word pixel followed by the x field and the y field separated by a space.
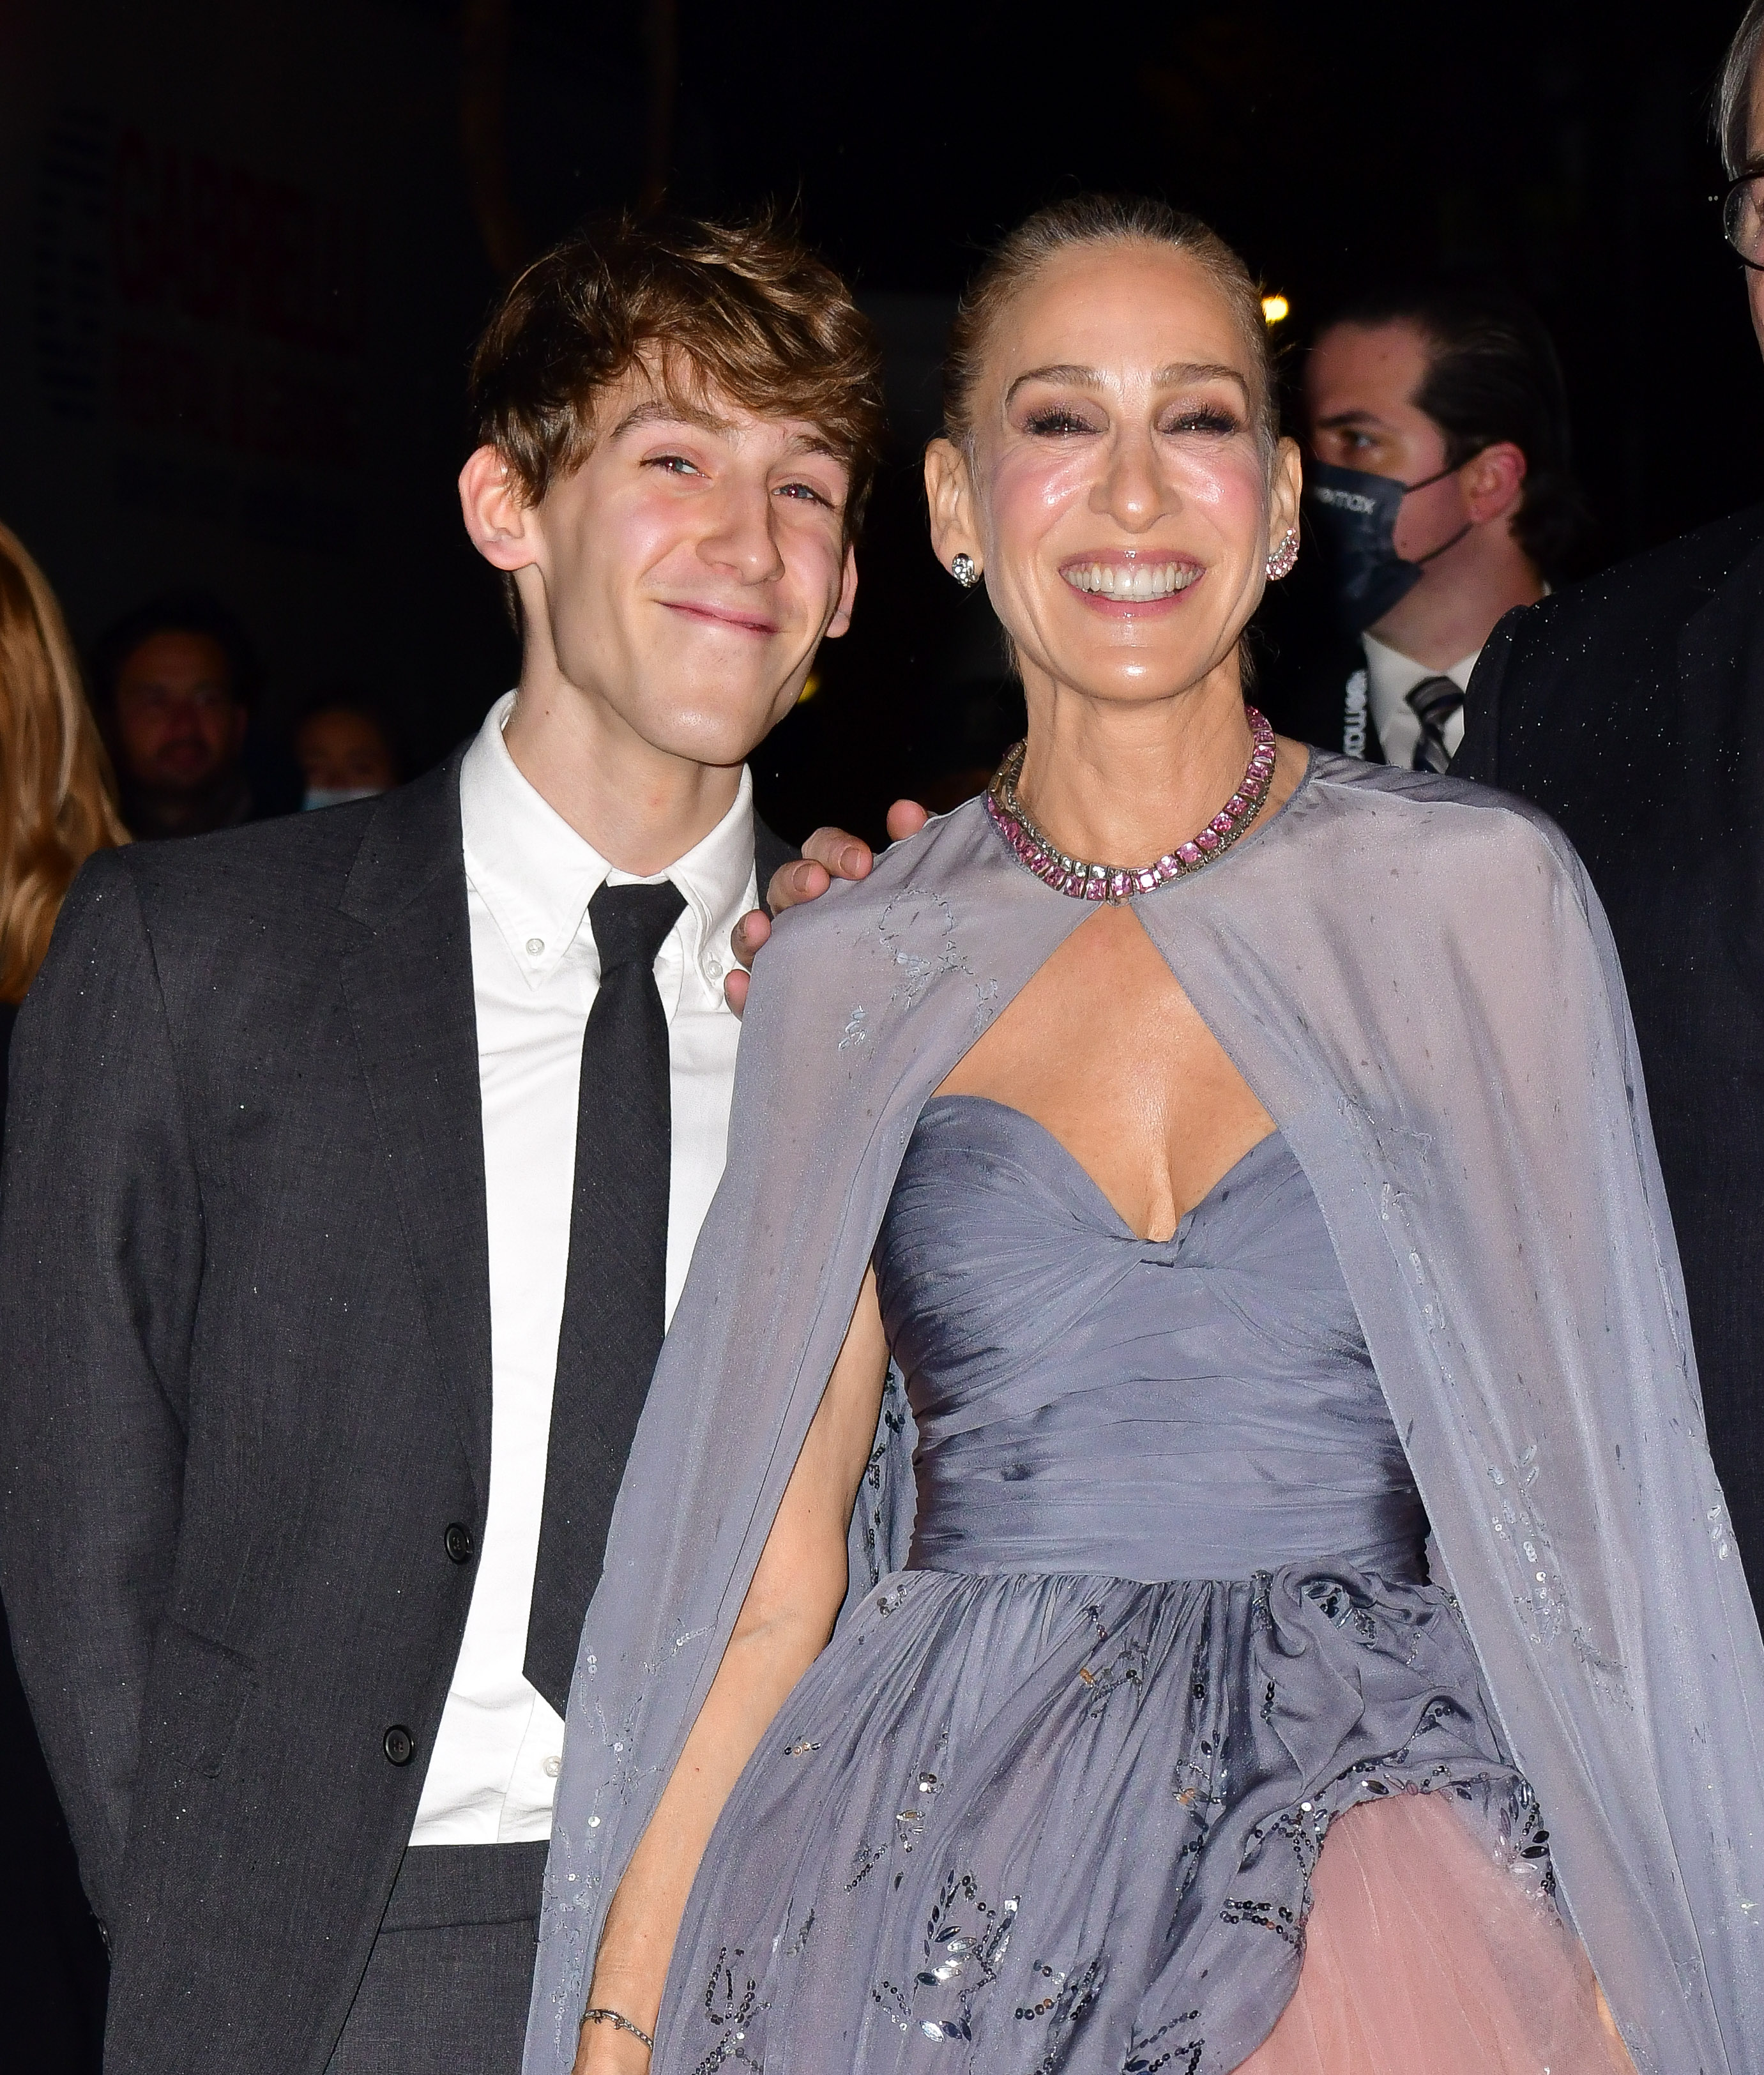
pixel 1052 1798
pixel 1089 1400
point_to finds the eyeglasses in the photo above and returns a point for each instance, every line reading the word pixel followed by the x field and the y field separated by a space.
pixel 1742 215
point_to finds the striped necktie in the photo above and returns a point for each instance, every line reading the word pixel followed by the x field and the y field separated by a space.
pixel 1434 701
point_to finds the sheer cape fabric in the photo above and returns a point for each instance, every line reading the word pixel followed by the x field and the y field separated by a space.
pixel 1414 977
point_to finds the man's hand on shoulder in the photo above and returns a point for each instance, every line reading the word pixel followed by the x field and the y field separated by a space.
pixel 829 854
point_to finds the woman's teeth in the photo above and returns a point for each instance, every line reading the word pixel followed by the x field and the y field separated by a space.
pixel 1131 580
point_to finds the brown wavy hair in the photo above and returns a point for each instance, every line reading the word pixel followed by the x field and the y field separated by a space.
pixel 57 795
pixel 744 308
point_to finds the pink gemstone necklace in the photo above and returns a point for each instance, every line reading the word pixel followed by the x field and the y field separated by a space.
pixel 1114 882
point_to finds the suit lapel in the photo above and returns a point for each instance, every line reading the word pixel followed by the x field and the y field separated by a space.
pixel 409 988
pixel 769 852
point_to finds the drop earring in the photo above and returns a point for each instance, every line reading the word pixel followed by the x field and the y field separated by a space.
pixel 962 568
pixel 1281 562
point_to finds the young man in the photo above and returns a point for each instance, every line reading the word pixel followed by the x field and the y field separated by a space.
pixel 1439 478
pixel 354 1162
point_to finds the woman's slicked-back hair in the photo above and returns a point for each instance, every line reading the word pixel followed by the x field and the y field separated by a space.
pixel 745 310
pixel 1099 220
pixel 1734 90
pixel 57 799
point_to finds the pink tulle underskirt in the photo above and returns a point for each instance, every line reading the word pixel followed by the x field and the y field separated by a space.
pixel 1423 1958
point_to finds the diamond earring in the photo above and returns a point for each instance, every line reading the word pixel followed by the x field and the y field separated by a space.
pixel 962 568
pixel 1281 562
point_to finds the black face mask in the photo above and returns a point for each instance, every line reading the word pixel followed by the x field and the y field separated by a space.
pixel 1356 515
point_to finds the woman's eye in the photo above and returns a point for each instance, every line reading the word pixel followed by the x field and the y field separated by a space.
pixel 674 464
pixel 1209 419
pixel 1055 422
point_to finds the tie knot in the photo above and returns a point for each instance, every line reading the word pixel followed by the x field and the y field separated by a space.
pixel 1435 700
pixel 631 923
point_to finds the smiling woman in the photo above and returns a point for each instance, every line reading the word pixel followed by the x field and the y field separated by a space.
pixel 1245 1286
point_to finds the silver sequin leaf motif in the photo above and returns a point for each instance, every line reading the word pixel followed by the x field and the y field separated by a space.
pixel 965 1941
pixel 1067 1997
pixel 1152 2055
pixel 729 2011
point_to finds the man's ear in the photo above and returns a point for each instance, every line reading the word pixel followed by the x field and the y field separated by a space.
pixel 1493 482
pixel 500 525
pixel 949 491
pixel 848 591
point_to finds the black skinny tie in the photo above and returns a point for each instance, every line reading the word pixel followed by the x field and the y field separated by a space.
pixel 1435 700
pixel 615 1288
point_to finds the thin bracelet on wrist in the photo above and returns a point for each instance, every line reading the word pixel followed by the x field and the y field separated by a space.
pixel 624 2024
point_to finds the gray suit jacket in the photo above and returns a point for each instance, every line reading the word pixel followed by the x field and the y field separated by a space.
pixel 245 1329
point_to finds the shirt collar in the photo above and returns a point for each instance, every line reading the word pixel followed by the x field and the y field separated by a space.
pixel 536 876
pixel 1391 676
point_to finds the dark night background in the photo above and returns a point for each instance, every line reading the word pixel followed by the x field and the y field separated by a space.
pixel 243 252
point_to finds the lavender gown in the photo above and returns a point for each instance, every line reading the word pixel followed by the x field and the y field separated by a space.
pixel 1052 1799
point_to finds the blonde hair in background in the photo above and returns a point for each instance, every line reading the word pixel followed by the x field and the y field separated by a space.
pixel 57 796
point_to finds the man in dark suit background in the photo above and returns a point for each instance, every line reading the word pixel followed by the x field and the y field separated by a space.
pixel 353 1164
pixel 1437 480
pixel 1631 708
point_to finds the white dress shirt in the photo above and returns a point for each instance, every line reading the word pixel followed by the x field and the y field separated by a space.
pixel 535 972
pixel 1390 677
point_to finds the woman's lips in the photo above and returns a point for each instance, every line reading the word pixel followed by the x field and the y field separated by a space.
pixel 1141 581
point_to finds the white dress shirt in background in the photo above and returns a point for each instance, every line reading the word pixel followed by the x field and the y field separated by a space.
pixel 1390 677
pixel 535 972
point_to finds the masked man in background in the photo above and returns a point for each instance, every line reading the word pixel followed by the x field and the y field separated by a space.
pixel 1438 481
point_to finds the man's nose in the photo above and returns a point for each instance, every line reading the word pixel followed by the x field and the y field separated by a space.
pixel 743 536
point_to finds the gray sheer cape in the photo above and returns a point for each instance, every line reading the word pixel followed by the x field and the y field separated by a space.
pixel 1415 977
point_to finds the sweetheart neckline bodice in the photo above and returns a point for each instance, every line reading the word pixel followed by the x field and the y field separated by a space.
pixel 1077 1171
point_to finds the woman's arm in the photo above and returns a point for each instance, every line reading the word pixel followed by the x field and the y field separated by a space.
pixel 784 1626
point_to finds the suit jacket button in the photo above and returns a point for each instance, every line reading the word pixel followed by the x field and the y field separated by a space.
pixel 399 1745
pixel 460 1545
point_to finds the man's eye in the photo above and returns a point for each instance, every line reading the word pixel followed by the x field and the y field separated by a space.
pixel 674 464
pixel 806 491
pixel 1055 422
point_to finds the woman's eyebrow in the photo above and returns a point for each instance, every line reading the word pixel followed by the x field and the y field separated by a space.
pixel 1178 372
pixel 1080 378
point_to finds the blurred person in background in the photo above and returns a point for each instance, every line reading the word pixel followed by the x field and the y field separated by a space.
pixel 1439 480
pixel 174 683
pixel 345 749
pixel 1631 709
pixel 57 804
